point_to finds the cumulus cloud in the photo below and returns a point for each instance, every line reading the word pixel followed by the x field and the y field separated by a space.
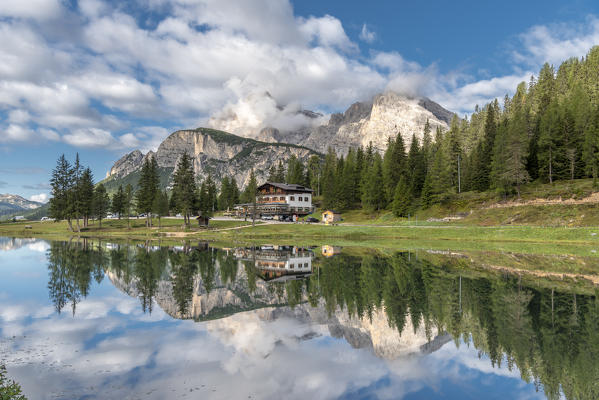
pixel 557 42
pixel 367 35
pixel 97 75
pixel 40 198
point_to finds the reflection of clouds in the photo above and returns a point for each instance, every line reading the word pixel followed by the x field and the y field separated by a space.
pixel 111 349
pixel 109 354
pixel 40 246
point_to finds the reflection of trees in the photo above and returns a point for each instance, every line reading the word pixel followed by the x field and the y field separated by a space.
pixel 148 268
pixel 71 267
pixel 184 267
pixel 551 337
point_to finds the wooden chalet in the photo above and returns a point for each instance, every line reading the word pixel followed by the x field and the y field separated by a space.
pixel 279 199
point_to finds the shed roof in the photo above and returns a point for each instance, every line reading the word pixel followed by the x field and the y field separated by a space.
pixel 287 186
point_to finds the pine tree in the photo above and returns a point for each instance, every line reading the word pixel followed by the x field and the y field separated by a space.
pixel 295 171
pixel 394 165
pixel 549 141
pixel 280 176
pixel 62 184
pixel 314 172
pixel 86 195
pixel 127 203
pixel 373 193
pixel 101 203
pixel 184 188
pixel 118 202
pixel 402 199
pixel 211 192
pixel 160 206
pixel 591 147
pixel 148 184
pixel 416 167
pixel 328 179
pixel 427 198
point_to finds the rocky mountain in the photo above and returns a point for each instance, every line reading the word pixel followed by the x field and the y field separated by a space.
pixel 18 201
pixel 220 306
pixel 363 122
pixel 225 154
pixel 213 152
pixel 12 203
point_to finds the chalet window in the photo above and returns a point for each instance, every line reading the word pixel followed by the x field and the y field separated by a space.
pixel 306 265
pixel 291 266
pixel 281 198
pixel 306 199
pixel 291 198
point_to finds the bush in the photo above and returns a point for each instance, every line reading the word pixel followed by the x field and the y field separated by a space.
pixel 9 389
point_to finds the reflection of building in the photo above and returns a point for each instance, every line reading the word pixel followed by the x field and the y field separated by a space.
pixel 279 263
pixel 331 217
pixel 279 199
pixel 330 251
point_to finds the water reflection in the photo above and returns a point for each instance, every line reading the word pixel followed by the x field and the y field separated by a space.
pixel 396 305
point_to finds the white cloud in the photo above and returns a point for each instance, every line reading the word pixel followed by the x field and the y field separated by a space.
pixel 40 198
pixel 89 138
pixel 37 9
pixel 367 35
pixel 557 42
pixel 102 78
pixel 16 133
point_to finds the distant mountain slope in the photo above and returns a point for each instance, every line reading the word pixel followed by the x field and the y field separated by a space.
pixel 13 204
pixel 213 152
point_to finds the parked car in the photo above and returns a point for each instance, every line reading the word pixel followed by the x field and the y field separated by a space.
pixel 312 219
pixel 45 219
pixel 267 217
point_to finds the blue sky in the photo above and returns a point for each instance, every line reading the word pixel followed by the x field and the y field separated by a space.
pixel 105 77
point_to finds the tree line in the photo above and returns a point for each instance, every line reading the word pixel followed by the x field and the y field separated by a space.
pixel 547 131
pixel 75 197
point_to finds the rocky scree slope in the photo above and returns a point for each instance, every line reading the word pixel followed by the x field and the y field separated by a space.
pixel 213 152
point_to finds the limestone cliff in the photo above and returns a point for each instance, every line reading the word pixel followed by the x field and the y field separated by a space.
pixel 374 121
pixel 213 152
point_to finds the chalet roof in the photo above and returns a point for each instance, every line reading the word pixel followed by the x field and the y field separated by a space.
pixel 287 186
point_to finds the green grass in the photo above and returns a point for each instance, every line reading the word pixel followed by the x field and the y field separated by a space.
pixel 113 228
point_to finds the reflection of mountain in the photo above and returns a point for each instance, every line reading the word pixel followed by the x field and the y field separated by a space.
pixel 221 301
pixel 392 304
pixel 266 303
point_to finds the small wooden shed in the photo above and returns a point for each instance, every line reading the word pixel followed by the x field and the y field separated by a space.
pixel 331 217
pixel 203 221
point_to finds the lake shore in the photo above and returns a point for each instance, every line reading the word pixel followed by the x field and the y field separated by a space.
pixel 526 239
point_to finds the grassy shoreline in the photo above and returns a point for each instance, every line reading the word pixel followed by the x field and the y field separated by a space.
pixel 524 239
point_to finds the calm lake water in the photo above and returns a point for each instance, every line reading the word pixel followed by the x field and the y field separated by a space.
pixel 98 320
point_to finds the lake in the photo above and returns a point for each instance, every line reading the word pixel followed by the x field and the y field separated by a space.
pixel 90 319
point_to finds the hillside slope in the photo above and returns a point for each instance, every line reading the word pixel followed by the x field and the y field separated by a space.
pixel 213 152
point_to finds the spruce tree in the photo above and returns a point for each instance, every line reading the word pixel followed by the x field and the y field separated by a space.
pixel 160 206
pixel 185 188
pixel 127 203
pixel 148 184
pixel 101 203
pixel 402 198
pixel 373 192
pixel 62 184
pixel 86 195
pixel 118 202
